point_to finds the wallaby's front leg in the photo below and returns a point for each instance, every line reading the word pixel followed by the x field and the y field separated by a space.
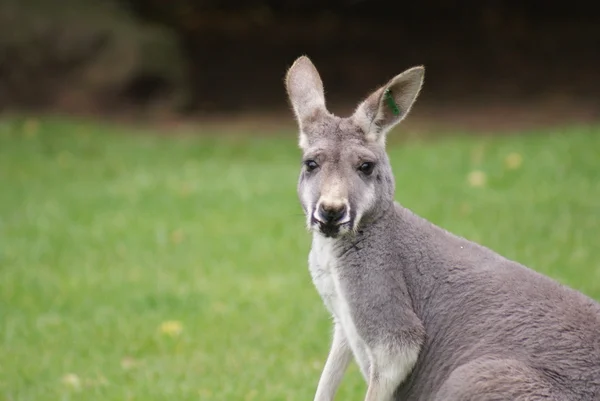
pixel 338 360
pixel 389 368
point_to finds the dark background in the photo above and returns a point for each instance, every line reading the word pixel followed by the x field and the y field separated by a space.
pixel 201 59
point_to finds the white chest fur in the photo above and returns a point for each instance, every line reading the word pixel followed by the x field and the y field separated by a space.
pixel 323 264
pixel 324 269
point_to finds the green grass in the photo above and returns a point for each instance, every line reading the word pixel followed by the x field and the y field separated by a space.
pixel 104 236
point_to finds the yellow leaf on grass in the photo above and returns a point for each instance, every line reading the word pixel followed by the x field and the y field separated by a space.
pixel 171 328
pixel 128 363
pixel 477 178
pixel 513 160
pixel 72 381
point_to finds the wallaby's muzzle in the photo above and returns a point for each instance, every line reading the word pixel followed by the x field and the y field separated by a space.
pixel 331 214
pixel 331 218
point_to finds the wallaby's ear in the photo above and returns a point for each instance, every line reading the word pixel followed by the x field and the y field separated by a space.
pixel 388 105
pixel 305 90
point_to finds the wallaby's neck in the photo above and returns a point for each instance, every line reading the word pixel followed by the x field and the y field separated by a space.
pixel 406 243
pixel 385 211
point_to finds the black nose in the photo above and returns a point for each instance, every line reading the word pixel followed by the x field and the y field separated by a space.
pixel 331 213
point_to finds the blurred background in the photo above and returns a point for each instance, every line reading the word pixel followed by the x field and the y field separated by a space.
pixel 152 246
pixel 490 64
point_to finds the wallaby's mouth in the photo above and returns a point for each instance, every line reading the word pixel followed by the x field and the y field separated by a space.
pixel 331 230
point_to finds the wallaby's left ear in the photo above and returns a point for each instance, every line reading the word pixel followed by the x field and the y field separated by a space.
pixel 388 105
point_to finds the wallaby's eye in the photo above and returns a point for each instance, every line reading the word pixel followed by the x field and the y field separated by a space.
pixel 366 168
pixel 310 165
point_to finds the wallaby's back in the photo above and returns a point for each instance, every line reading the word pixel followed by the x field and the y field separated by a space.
pixel 477 304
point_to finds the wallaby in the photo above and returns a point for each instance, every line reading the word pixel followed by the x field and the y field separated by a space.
pixel 426 315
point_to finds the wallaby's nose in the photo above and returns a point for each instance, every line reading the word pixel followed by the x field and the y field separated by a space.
pixel 331 213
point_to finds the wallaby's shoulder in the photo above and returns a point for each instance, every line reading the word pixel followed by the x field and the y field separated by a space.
pixel 445 254
pixel 484 270
pixel 414 232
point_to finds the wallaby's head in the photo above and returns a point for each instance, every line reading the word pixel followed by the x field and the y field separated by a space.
pixel 346 178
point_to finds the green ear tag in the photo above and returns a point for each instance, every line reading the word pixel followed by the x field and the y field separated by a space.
pixel 391 102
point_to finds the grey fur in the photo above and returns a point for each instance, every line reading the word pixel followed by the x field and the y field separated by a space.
pixel 485 327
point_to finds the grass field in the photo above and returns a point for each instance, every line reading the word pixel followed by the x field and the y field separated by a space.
pixel 147 267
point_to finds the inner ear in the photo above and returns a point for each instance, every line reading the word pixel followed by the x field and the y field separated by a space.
pixel 399 95
pixel 390 104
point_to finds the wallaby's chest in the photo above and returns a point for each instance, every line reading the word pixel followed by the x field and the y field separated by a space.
pixel 324 265
pixel 325 268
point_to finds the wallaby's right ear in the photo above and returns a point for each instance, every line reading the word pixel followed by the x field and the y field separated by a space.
pixel 305 90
